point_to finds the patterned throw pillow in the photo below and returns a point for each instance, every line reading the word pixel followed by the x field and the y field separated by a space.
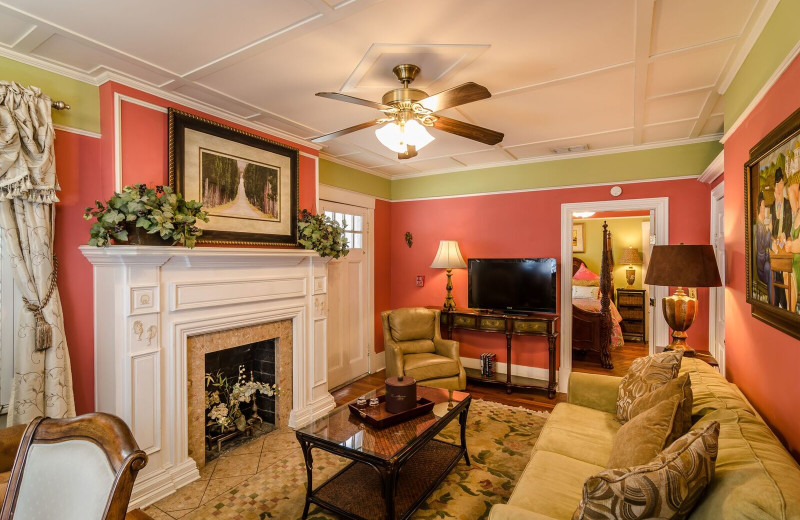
pixel 645 375
pixel 680 387
pixel 668 487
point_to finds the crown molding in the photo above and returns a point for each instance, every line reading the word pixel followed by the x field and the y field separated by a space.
pixel 713 170
pixel 548 158
pixel 355 166
pixel 762 92
pixel 48 66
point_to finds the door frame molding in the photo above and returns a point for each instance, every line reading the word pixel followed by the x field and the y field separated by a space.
pixel 375 360
pixel 660 208
pixel 717 198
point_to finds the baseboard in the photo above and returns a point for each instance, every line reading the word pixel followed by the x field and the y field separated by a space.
pixel 152 488
pixel 516 370
pixel 377 362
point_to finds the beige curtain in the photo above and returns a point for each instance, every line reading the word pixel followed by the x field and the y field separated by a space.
pixel 42 377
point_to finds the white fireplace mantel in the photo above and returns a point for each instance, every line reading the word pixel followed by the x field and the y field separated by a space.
pixel 148 300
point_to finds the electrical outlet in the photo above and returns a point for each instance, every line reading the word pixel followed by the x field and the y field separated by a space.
pixel 693 292
pixel 420 280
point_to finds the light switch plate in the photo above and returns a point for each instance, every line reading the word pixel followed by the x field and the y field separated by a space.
pixel 420 280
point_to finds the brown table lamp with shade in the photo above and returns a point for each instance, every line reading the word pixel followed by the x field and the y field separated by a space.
pixel 631 257
pixel 682 266
pixel 449 257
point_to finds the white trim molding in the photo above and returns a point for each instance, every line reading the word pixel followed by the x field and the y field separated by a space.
pixel 78 131
pixel 659 208
pixel 713 170
pixel 717 201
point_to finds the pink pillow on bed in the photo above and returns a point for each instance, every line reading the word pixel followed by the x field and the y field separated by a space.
pixel 583 273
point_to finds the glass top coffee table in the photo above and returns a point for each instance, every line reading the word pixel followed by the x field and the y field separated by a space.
pixel 394 469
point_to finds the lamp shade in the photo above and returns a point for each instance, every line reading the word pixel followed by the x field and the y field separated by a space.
pixel 448 256
pixel 630 256
pixel 683 266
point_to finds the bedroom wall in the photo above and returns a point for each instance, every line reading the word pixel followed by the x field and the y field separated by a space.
pixel 523 224
pixel 625 232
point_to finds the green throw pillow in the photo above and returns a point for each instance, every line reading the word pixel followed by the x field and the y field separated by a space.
pixel 680 387
pixel 643 437
pixel 645 375
pixel 668 488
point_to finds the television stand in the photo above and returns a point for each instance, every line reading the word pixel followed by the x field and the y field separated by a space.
pixel 510 324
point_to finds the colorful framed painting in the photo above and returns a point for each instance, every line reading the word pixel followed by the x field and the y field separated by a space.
pixel 772 230
pixel 248 184
pixel 577 238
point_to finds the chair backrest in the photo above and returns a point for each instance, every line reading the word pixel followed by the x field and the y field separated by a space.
pixel 413 329
pixel 73 469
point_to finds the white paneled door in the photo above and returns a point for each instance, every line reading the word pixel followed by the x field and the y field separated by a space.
pixel 348 298
pixel 717 294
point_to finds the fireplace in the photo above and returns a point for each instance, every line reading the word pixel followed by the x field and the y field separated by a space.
pixel 265 348
pixel 159 311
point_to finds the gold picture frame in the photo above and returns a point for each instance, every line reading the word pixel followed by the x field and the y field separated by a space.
pixel 578 245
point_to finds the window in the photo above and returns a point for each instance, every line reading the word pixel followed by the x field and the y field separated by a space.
pixel 353 228
pixel 9 311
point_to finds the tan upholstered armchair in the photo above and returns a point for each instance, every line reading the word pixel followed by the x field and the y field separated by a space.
pixel 415 348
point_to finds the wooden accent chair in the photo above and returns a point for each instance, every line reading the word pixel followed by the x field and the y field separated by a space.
pixel 70 469
pixel 414 347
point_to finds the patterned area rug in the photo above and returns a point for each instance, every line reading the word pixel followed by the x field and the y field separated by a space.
pixel 499 439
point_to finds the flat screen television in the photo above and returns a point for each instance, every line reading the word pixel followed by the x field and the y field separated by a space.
pixel 513 284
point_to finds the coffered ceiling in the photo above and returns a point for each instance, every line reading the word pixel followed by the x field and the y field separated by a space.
pixel 610 74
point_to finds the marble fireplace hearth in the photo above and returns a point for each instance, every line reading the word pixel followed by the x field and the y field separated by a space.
pixel 156 307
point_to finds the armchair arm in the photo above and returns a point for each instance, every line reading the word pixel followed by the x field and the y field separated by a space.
pixel 9 444
pixel 394 359
pixel 446 348
pixel 594 391
pixel 507 512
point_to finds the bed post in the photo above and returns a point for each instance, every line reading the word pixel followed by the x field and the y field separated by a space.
pixel 605 302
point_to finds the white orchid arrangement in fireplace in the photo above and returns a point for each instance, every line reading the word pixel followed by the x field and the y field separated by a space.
pixel 225 399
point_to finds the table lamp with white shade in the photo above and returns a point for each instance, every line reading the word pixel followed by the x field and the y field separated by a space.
pixel 449 257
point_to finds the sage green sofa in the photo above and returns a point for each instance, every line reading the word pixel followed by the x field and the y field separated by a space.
pixel 755 477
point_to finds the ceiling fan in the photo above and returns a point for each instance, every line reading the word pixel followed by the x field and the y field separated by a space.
pixel 409 111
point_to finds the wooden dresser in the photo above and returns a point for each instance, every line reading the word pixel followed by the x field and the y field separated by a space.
pixel 632 305
pixel 511 325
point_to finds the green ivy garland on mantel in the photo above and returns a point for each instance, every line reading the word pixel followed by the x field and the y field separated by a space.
pixel 322 234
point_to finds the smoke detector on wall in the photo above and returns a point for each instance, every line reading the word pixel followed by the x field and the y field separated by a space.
pixel 571 149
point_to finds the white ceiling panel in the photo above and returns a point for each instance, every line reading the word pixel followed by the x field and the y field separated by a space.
pixel 585 105
pixel 672 108
pixel 561 73
pixel 719 106
pixel 714 125
pixel 595 142
pixel 687 70
pixel 177 36
pixel 668 131
pixel 12 28
pixel 685 23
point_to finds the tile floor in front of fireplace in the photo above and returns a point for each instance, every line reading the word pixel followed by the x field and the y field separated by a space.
pixel 226 472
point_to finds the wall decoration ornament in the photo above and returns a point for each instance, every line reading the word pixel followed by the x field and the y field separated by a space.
pixel 772 227
pixel 138 329
pixel 152 330
pixel 409 238
pixel 247 184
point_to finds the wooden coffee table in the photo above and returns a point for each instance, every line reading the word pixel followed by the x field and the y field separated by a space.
pixel 394 469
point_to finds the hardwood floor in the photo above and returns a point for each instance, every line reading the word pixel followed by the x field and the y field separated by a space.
pixel 621 358
pixel 533 400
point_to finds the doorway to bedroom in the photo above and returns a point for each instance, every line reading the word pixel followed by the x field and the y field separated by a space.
pixel 605 251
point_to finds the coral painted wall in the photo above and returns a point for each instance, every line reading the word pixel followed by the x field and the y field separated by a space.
pixel 383 266
pixel 78 168
pixel 526 224
pixel 761 360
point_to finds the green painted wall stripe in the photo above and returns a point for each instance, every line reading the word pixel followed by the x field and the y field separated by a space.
pixel 341 176
pixel 84 98
pixel 673 161
pixel 778 38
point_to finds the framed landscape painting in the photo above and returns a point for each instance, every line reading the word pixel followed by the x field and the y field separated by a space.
pixel 248 184
pixel 772 230
pixel 577 238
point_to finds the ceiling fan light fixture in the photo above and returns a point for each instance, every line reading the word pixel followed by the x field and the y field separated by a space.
pixel 397 138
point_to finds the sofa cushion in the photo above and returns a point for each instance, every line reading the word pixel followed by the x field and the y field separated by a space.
pixel 755 477
pixel 679 387
pixel 412 323
pixel 416 346
pixel 580 433
pixel 429 366
pixel 551 484
pixel 711 391
pixel 643 437
pixel 645 375
pixel 666 488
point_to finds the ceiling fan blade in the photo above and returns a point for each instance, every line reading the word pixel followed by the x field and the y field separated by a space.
pixel 344 131
pixel 350 99
pixel 476 133
pixel 453 97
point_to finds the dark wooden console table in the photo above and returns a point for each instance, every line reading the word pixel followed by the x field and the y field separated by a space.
pixel 511 325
